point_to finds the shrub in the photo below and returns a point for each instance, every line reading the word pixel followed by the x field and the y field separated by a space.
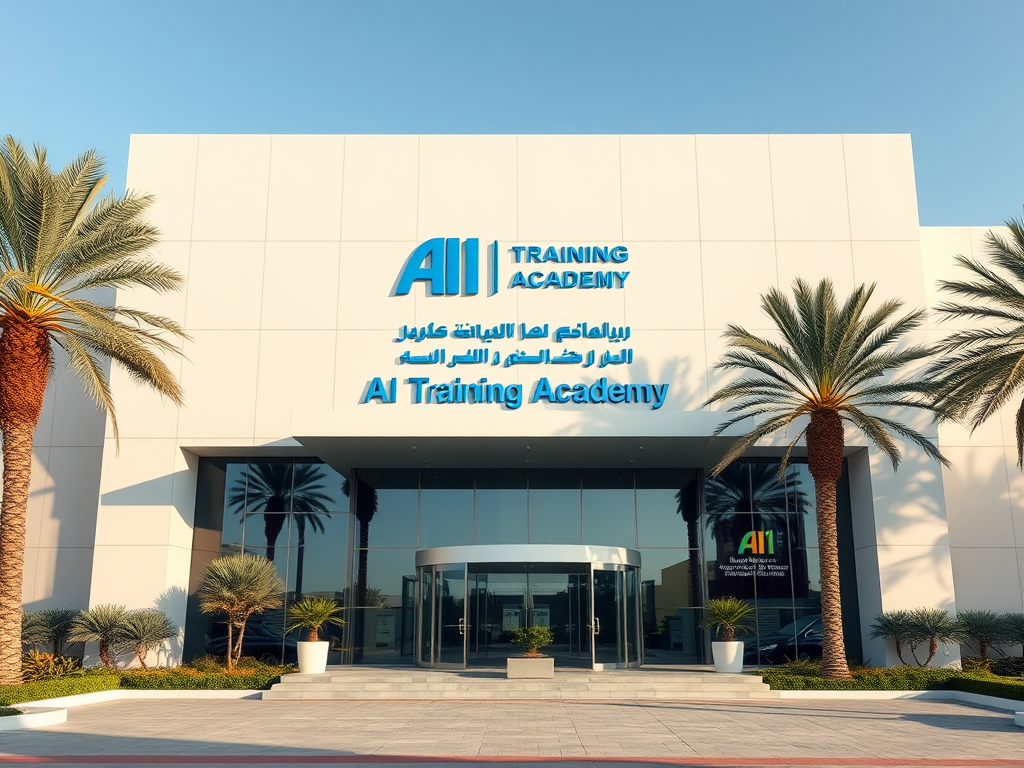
pixel 104 624
pixel 37 666
pixel 1009 666
pixel 971 664
pixel 931 626
pixel 9 711
pixel 206 663
pixel 727 616
pixel 532 639
pixel 59 622
pixel 186 678
pixel 896 626
pixel 33 628
pixel 145 630
pixel 1014 623
pixel 983 629
pixel 88 681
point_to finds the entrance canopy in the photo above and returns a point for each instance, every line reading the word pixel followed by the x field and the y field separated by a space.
pixel 529 553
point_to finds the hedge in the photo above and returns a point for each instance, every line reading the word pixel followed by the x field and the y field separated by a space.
pixel 182 678
pixel 179 678
pixel 9 711
pixel 55 687
pixel 895 679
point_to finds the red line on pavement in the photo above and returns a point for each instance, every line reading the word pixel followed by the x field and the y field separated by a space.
pixel 695 762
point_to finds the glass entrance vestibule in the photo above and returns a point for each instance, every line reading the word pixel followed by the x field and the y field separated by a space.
pixel 471 599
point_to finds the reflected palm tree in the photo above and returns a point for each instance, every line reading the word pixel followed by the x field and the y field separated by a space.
pixel 366 508
pixel 688 505
pixel 274 489
pixel 743 489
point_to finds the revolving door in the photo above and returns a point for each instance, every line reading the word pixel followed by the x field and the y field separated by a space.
pixel 471 599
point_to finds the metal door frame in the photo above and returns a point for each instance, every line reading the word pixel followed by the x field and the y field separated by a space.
pixel 435 602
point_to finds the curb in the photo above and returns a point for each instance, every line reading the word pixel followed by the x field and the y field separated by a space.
pixel 33 717
pixel 127 694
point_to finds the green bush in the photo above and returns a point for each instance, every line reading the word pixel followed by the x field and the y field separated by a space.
pixel 532 639
pixel 801 676
pixel 89 681
pixel 38 666
pixel 1009 666
pixel 256 677
pixel 8 711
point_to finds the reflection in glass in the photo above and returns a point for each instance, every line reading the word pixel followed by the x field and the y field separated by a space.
pixel 501 506
pixel 609 507
pixel 446 507
pixel 667 508
pixel 385 571
pixel 554 505
pixel 319 563
pixel 264 488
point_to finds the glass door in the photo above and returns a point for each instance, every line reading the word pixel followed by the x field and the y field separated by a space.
pixel 441 628
pixel 607 627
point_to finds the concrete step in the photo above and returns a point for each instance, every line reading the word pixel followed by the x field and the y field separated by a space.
pixel 364 683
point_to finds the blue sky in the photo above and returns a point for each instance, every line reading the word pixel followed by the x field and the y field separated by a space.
pixel 88 74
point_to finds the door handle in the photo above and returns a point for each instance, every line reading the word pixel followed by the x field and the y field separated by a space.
pixel 462 626
pixel 597 626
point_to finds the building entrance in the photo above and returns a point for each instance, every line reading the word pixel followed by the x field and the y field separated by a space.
pixel 471 600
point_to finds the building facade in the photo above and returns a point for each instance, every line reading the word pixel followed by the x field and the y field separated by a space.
pixel 455 383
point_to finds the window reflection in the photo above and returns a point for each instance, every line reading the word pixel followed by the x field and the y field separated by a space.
pixel 668 508
pixel 554 506
pixel 446 507
pixel 501 506
pixel 609 507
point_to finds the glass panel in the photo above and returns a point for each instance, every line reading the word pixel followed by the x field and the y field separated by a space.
pixel 775 642
pixel 609 507
pixel 426 614
pixel 609 632
pixel 446 507
pixel 450 588
pixel 730 571
pixel 632 609
pixel 680 639
pixel 808 633
pixel 813 591
pixel 319 555
pixel 668 508
pixel 385 569
pixel 501 506
pixel 318 488
pixel 669 588
pixel 386 507
pixel 234 507
pixel 554 505
pixel 377 633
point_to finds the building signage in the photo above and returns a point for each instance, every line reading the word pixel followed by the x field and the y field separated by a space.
pixel 452 267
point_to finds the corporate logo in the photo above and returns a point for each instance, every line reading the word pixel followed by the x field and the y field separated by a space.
pixel 757 543
pixel 452 267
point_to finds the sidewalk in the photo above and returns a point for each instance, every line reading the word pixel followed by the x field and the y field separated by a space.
pixel 191 732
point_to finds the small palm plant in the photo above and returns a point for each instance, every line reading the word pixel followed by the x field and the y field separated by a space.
pixel 311 613
pixel 932 626
pixel 1015 629
pixel 58 627
pixel 104 624
pixel 531 639
pixel 239 586
pixel 896 626
pixel 985 628
pixel 33 628
pixel 727 616
pixel 146 630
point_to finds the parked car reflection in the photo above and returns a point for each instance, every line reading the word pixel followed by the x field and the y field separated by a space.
pixel 259 641
pixel 800 639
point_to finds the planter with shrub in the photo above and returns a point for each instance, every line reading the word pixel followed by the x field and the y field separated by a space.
pixel 532 664
pixel 727 616
pixel 311 613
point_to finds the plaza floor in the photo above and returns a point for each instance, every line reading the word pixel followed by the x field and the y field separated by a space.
pixel 282 733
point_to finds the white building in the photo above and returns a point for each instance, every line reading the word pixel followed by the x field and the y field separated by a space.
pixel 293 248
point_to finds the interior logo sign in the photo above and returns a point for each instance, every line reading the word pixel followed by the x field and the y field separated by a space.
pixel 757 543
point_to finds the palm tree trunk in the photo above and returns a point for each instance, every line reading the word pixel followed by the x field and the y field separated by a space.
pixel 24 371
pixel 825 461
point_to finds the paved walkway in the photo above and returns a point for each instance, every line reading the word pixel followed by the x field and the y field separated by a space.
pixel 191 732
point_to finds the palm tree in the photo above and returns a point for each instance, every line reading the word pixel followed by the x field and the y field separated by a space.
pixel 982 368
pixel 58 244
pixel 239 586
pixel 58 626
pixel 834 365
pixel 276 488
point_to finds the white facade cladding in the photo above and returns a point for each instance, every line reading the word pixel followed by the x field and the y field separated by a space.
pixel 304 339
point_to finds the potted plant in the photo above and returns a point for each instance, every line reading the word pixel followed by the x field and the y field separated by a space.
pixel 311 613
pixel 532 664
pixel 726 616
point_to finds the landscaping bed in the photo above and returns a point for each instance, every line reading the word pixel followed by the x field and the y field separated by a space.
pixel 806 676
pixel 203 675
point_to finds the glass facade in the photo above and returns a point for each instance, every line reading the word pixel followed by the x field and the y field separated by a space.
pixel 744 533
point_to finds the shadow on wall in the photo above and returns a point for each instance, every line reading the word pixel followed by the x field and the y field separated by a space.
pixel 172 601
pixel 177 489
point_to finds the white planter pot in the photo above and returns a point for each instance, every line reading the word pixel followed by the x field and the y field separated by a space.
pixel 728 656
pixel 313 656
